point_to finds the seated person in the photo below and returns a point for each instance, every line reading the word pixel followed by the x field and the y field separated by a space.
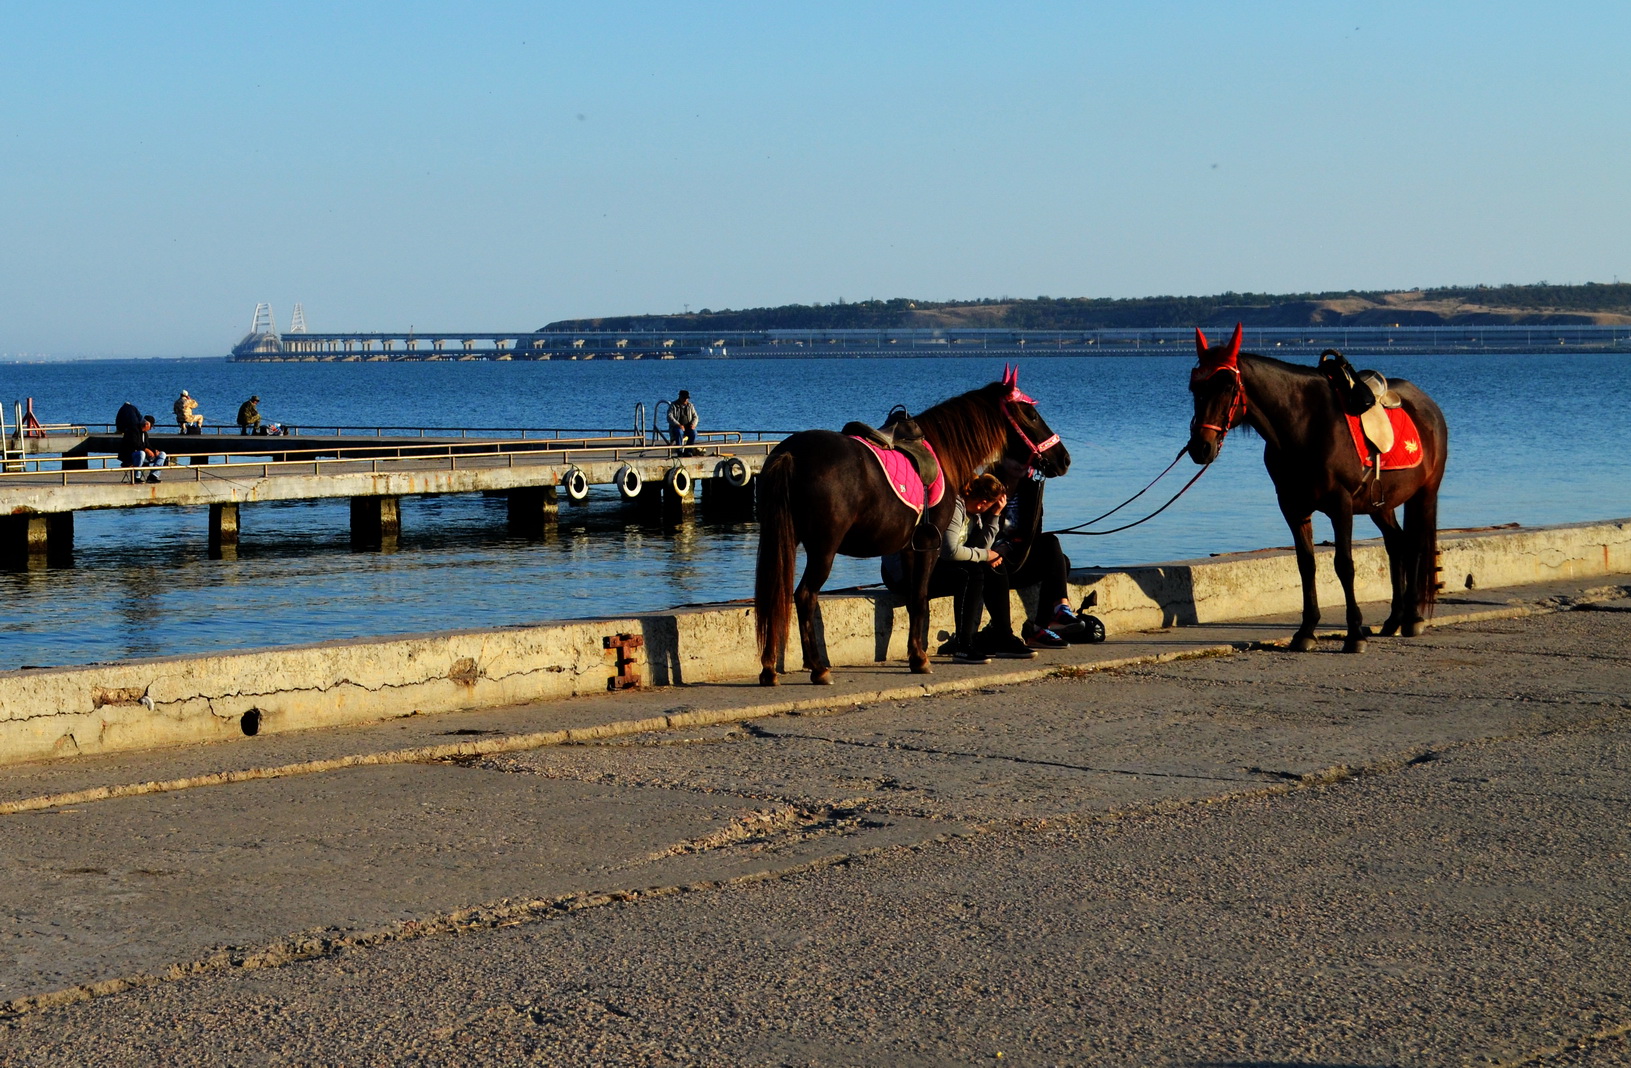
pixel 186 414
pixel 963 567
pixel 249 415
pixel 135 451
pixel 1032 557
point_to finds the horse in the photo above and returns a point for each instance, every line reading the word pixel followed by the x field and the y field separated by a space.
pixel 1310 454
pixel 827 492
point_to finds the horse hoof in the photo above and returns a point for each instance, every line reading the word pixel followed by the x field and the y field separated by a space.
pixel 1354 645
pixel 767 677
pixel 1302 643
pixel 1389 629
pixel 821 678
pixel 1415 628
pixel 922 669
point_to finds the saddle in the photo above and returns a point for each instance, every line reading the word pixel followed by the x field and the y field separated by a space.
pixel 1364 394
pixel 900 433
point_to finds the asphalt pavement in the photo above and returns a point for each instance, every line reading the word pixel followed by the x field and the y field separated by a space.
pixel 1181 848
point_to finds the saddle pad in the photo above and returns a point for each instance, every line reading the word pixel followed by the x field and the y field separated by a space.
pixel 903 478
pixel 1406 451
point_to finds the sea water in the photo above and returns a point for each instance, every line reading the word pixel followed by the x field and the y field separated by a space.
pixel 1534 440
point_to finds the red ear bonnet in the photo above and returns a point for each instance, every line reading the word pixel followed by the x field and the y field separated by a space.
pixel 1226 358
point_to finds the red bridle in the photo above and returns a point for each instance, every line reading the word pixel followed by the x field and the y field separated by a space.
pixel 1010 378
pixel 1228 361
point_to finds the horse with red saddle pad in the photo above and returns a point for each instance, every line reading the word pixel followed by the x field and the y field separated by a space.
pixel 1323 460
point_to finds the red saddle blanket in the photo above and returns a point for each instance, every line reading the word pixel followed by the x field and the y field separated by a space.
pixel 902 475
pixel 1406 451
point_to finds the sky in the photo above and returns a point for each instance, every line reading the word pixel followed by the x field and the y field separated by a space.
pixel 497 166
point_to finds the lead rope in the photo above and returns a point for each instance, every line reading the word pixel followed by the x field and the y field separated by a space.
pixel 1076 530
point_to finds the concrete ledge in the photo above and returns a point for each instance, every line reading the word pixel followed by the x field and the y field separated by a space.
pixel 102 708
pixel 1244 585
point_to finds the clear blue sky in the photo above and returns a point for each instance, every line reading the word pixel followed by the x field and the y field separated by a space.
pixel 495 166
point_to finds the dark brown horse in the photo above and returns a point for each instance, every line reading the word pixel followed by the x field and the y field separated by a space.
pixel 1310 454
pixel 827 492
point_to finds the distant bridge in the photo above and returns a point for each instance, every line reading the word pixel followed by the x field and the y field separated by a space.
pixel 301 344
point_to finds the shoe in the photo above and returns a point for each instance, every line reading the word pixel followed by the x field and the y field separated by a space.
pixel 1043 638
pixel 1062 617
pixel 138 477
pixel 969 656
pixel 152 478
pixel 1005 646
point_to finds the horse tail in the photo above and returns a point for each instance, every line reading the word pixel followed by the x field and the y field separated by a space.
pixel 773 577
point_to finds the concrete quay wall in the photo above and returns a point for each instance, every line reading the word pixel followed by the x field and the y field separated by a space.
pixel 50 713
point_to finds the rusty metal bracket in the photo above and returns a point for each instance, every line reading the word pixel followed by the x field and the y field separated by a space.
pixel 625 646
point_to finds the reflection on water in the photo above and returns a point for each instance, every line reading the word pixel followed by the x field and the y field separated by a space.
pixel 142 583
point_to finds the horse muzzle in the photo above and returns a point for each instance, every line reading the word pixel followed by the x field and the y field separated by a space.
pixel 1203 450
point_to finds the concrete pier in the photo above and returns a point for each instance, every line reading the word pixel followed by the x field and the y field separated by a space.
pixel 533 468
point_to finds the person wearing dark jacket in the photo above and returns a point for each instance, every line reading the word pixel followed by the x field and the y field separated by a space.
pixel 136 451
pixel 249 416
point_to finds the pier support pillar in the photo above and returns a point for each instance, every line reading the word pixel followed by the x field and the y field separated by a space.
pixel 375 522
pixel 223 531
pixel 534 509
pixel 725 501
pixel 31 542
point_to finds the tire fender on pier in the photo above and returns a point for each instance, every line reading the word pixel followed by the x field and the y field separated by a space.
pixel 576 483
pixel 629 482
pixel 733 471
pixel 678 481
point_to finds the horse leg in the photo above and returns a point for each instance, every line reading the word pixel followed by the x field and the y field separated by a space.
pixel 1302 538
pixel 1397 555
pixel 818 565
pixel 1421 535
pixel 1342 525
pixel 920 565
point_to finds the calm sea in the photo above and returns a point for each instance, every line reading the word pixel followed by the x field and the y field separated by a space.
pixel 1533 440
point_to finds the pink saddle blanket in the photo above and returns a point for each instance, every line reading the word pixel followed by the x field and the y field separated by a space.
pixel 903 478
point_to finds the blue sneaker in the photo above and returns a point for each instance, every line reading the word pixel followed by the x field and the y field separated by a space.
pixel 1063 617
pixel 1043 638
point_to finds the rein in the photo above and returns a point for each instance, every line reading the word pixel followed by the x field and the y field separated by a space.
pixel 1076 530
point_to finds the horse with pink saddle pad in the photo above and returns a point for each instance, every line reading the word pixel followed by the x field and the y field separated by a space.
pixel 837 493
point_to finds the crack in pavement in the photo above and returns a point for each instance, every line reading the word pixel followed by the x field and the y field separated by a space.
pixel 759 732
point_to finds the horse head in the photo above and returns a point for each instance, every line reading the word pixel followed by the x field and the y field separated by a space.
pixel 1030 439
pixel 1220 396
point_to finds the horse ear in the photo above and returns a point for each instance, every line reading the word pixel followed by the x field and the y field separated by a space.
pixel 1200 343
pixel 1234 343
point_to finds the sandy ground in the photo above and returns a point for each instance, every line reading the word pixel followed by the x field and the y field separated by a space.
pixel 1418 856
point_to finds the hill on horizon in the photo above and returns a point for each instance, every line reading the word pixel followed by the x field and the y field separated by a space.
pixel 1598 303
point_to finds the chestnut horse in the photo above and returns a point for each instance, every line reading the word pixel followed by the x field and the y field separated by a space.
pixel 827 492
pixel 1310 454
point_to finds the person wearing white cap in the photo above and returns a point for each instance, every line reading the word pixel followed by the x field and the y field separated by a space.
pixel 187 418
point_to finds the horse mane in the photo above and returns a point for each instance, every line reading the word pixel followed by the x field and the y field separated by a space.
pixel 967 431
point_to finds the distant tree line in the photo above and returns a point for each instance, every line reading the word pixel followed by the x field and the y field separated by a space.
pixel 1491 304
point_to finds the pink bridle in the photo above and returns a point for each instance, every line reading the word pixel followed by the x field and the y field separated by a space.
pixel 1010 378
